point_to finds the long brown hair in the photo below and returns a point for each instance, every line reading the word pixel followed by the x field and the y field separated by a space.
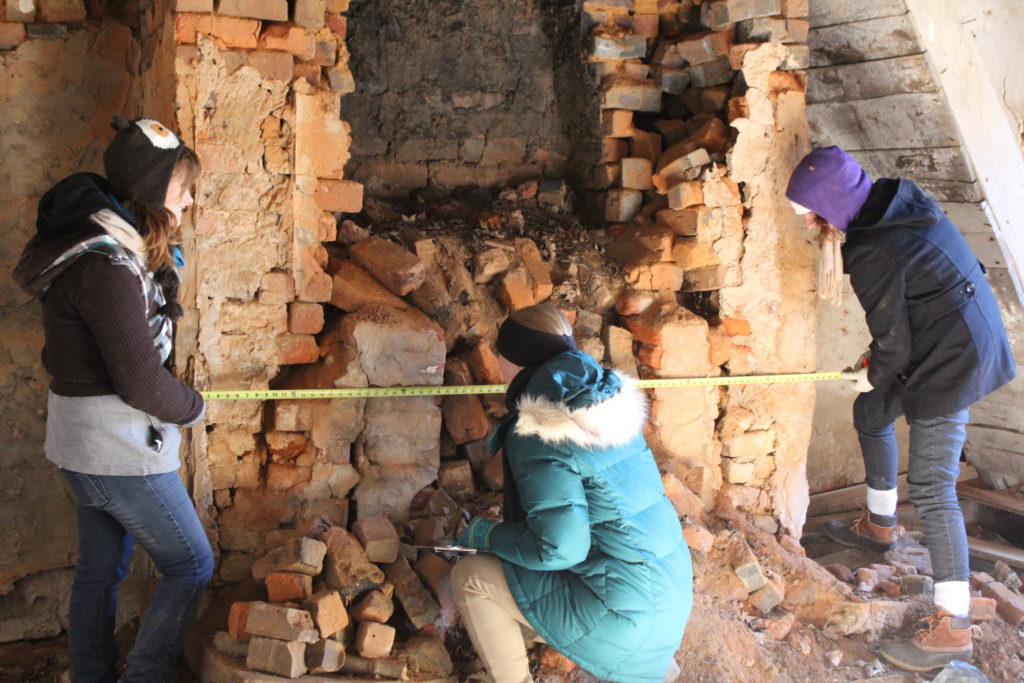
pixel 156 224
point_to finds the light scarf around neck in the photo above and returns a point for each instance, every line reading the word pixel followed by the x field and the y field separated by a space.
pixel 122 231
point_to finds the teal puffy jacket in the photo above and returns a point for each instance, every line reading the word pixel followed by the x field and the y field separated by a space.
pixel 592 549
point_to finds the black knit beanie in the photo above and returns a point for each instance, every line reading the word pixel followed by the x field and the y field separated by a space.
pixel 140 160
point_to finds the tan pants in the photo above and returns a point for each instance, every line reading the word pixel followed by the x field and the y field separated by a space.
pixel 498 629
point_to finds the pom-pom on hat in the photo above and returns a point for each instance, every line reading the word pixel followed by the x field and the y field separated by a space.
pixel 831 183
pixel 140 160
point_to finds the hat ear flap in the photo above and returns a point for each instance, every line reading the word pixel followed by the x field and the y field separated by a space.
pixel 119 123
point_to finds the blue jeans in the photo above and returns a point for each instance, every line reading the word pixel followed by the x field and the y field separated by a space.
pixel 114 513
pixel 935 447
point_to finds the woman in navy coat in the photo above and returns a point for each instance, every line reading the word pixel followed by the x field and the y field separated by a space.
pixel 938 345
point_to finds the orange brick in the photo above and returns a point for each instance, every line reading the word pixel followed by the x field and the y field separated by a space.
pixel 271 10
pixel 374 640
pixel 697 537
pixel 305 318
pixel 340 195
pixel 296 349
pixel 232 31
pixel 283 476
pixel 684 195
pixel 294 39
pixel 11 35
pixel 736 327
pixel 61 11
pixel 551 658
pixel 378 537
pixel 1010 605
pixel 983 609
pixel 516 290
pixel 237 617
pixel 796 8
pixel 483 363
pixel 618 123
pixel 328 612
pixel 636 173
pixel 289 587
pixel 613 149
pixel 374 606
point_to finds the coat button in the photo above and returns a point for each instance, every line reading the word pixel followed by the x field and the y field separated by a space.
pixel 969 289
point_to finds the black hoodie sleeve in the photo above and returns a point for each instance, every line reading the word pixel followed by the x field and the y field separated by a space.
pixel 110 301
pixel 880 284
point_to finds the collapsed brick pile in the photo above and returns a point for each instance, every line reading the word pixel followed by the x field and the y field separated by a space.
pixel 326 595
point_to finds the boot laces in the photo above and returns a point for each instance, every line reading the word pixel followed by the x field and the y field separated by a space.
pixel 933 621
pixel 865 518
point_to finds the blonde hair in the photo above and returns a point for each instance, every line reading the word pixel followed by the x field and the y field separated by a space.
pixel 543 318
pixel 156 225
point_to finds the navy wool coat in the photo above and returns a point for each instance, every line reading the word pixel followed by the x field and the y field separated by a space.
pixel 937 338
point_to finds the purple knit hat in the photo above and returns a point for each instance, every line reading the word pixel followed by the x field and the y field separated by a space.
pixel 831 183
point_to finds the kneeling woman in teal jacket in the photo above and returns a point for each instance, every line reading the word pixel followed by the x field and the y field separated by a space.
pixel 590 556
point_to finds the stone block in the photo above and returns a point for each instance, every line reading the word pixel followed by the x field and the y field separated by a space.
pixel 672 81
pixel 456 477
pixel 700 48
pixel 427 657
pixel 310 14
pixel 301 555
pixel 841 572
pixel 375 606
pixel 618 342
pixel 867 579
pixel 296 349
pixel 270 10
pixel 778 628
pixel 20 11
pixel 483 363
pixel 415 599
pixel 288 587
pixel 346 568
pixel 679 168
pixel 396 347
pixel 280 622
pixel 435 573
pixel 684 195
pixel 373 640
pixel 622 205
pixel 277 657
pixel 627 46
pixel 746 566
pixel 328 612
pixel 353 287
pixel 719 14
pixel 715 72
pixel 796 8
pixel 621 92
pixel 340 79
pixel 715 98
pixel 12 34
pixel 61 11
pixel 697 537
pixel 378 537
pixel 1010 605
pixel 768 597
pixel 396 268
pixel 636 173
pixel 223 642
pixel 489 263
pixel 980 579
pixel 305 318
pixel 237 616
pixel 326 656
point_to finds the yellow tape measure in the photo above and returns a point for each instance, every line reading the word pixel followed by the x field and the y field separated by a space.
pixel 379 392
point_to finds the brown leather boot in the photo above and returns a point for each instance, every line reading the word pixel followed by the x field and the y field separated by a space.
pixel 946 638
pixel 862 534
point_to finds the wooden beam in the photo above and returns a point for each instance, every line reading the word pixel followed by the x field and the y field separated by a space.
pixel 841 500
pixel 992 551
pixel 974 489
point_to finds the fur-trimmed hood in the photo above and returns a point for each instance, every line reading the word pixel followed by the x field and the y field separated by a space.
pixel 614 421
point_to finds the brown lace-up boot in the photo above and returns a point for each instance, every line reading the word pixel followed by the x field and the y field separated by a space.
pixel 946 638
pixel 871 532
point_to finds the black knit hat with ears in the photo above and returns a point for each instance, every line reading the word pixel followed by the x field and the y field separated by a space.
pixel 140 160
